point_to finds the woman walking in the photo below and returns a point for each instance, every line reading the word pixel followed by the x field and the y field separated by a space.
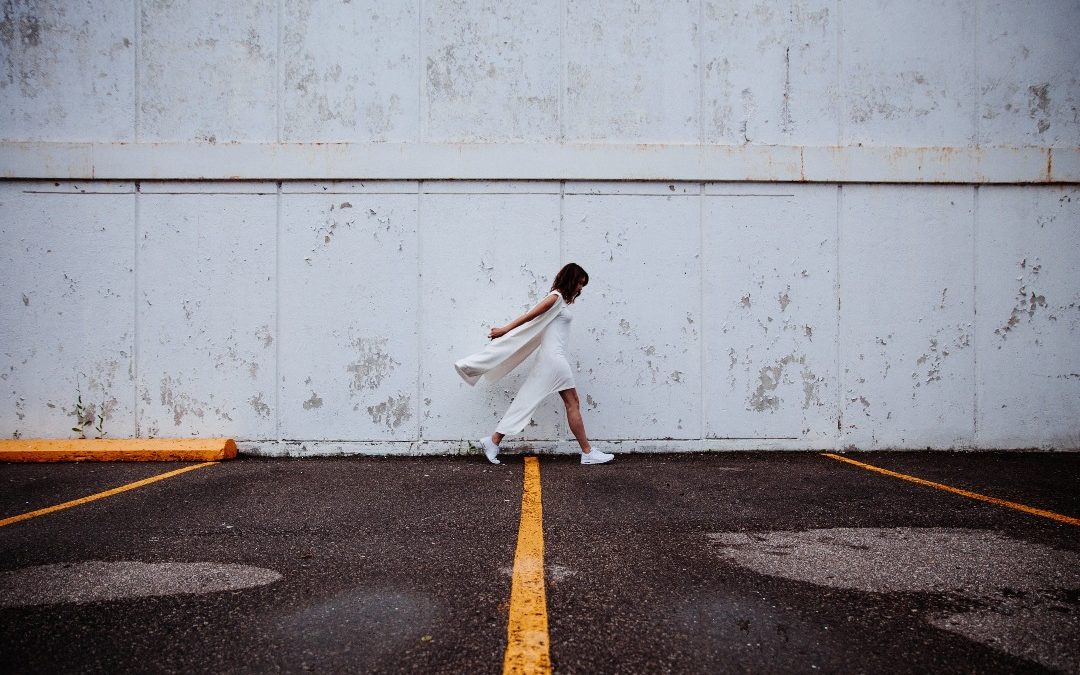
pixel 545 327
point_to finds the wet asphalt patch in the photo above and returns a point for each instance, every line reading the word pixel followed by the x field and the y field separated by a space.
pixel 773 562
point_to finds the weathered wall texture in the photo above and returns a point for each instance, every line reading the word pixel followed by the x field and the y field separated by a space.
pixel 815 224
pixel 803 72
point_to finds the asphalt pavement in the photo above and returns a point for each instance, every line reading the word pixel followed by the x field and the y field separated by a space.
pixel 682 563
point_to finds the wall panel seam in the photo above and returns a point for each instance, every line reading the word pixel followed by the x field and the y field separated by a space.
pixel 701 71
pixel 701 311
pixel 840 107
pixel 419 72
pixel 562 428
pixel 975 314
pixel 419 314
pixel 562 70
pixel 277 315
pixel 135 65
pixel 135 296
pixel 839 335
pixel 977 96
pixel 278 93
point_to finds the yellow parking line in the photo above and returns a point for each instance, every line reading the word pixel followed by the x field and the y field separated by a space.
pixel 965 493
pixel 527 648
pixel 100 495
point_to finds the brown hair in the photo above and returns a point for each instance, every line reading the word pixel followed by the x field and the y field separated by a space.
pixel 567 280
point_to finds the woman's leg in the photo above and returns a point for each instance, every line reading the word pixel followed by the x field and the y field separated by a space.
pixel 533 391
pixel 573 416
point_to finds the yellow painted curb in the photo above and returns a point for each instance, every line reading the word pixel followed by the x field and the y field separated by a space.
pixel 117 449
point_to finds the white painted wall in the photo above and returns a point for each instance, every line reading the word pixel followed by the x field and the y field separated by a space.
pixel 808 225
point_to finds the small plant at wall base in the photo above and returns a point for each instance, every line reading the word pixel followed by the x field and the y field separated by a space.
pixel 86 417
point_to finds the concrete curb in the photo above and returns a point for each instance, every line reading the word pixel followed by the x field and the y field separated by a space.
pixel 117 449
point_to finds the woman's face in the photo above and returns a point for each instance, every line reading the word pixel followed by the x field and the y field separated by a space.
pixel 577 291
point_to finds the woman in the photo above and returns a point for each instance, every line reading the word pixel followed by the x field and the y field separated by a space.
pixel 545 327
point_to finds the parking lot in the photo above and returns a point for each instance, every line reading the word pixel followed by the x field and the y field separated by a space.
pixel 740 561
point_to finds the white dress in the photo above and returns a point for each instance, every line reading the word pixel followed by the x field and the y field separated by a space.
pixel 548 336
pixel 550 373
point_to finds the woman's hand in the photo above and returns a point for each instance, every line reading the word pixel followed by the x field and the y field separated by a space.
pixel 497 332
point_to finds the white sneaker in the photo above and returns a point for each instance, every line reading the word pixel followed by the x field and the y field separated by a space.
pixel 594 456
pixel 490 449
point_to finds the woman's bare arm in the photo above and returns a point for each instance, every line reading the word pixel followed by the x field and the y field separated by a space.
pixel 541 307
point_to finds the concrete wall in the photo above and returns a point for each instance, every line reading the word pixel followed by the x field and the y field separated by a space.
pixel 814 224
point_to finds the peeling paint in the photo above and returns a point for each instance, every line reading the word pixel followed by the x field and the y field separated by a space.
pixel 259 405
pixel 1039 105
pixel 785 299
pixel 329 227
pixel 187 306
pixel 487 271
pixel 393 411
pixel 1026 302
pixel 915 98
pixel 936 355
pixel 232 354
pixel 180 403
pixel 373 366
pixel 621 238
pixel 534 286
pixel 264 333
pixel 769 379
